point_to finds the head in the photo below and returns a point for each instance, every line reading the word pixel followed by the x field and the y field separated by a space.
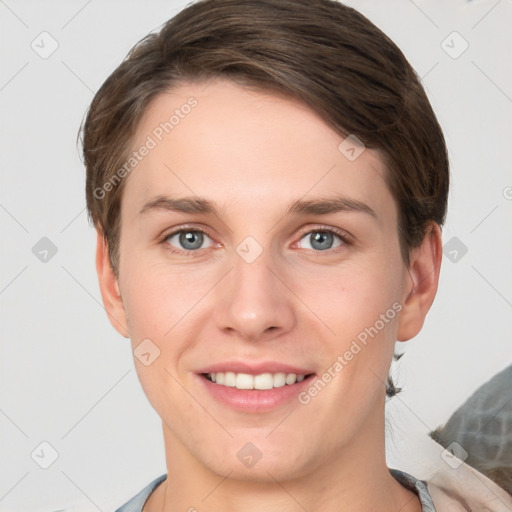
pixel 248 110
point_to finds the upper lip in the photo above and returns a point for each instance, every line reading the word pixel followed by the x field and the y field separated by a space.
pixel 253 368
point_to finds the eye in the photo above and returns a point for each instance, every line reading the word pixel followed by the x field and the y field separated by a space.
pixel 322 239
pixel 188 240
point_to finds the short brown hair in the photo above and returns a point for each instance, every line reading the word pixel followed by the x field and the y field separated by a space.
pixel 321 52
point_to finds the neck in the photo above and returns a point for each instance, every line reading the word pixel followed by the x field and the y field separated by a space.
pixel 354 478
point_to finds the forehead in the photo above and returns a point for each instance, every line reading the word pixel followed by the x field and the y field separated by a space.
pixel 229 143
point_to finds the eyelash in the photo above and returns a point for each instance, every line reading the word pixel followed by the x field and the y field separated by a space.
pixel 343 236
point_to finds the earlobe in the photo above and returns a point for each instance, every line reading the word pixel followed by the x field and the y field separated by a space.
pixel 419 294
pixel 109 287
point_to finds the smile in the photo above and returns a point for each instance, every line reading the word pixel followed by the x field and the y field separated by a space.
pixel 261 381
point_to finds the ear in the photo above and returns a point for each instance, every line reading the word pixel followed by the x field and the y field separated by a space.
pixel 425 265
pixel 109 287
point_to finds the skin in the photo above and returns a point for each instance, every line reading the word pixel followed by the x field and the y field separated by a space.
pixel 253 153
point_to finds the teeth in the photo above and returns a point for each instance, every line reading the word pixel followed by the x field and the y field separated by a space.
pixel 261 381
pixel 230 379
pixel 279 379
pixel 290 378
pixel 244 381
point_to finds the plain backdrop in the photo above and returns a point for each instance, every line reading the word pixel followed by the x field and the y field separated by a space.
pixel 68 379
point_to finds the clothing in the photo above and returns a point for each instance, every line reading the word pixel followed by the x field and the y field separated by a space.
pixel 419 487
pixel 479 432
pixel 138 501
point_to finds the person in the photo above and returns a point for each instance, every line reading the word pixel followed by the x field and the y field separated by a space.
pixel 268 182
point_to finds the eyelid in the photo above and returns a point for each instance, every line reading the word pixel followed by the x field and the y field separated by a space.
pixel 185 227
pixel 162 239
pixel 346 240
pixel 344 235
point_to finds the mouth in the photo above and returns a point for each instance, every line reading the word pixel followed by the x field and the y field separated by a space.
pixel 255 392
pixel 262 381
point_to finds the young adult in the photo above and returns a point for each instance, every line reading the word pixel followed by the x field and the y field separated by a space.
pixel 268 182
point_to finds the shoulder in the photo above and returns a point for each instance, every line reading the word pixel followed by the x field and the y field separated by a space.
pixel 417 486
pixel 138 501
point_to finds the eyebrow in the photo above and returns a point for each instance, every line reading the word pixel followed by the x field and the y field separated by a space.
pixel 320 206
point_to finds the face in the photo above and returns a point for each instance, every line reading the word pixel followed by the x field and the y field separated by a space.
pixel 251 281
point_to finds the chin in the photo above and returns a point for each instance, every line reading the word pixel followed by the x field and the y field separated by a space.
pixel 258 462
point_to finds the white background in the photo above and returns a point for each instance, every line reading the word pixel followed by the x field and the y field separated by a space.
pixel 68 378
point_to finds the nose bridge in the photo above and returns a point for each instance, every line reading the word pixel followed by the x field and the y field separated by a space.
pixel 254 300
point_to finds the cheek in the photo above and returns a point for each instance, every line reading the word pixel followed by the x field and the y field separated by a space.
pixel 158 297
pixel 147 309
pixel 351 299
pixel 156 311
pixel 361 308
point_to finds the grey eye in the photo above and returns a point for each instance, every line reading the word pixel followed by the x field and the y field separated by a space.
pixel 188 239
pixel 320 240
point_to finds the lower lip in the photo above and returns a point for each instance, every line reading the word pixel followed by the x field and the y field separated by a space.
pixel 255 400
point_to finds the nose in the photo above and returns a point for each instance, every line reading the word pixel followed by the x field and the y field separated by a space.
pixel 254 301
